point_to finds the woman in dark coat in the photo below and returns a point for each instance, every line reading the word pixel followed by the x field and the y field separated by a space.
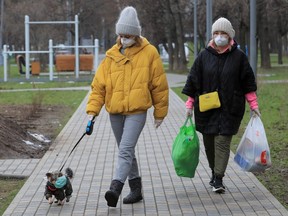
pixel 224 68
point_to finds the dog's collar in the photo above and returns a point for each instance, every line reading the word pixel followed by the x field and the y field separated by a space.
pixel 51 188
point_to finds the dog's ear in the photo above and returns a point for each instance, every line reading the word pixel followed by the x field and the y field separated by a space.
pixel 49 174
pixel 69 172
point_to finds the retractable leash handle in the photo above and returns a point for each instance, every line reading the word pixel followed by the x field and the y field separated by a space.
pixel 89 128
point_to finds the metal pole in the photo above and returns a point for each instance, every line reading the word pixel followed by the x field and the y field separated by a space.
pixel 50 60
pixel 27 47
pixel 195 30
pixel 5 62
pixel 253 43
pixel 76 47
pixel 208 20
pixel 96 54
pixel 1 30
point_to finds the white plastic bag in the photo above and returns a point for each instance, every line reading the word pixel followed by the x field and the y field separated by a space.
pixel 253 153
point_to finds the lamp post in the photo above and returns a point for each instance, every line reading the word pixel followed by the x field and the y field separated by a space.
pixel 253 42
pixel 208 20
pixel 195 30
pixel 1 31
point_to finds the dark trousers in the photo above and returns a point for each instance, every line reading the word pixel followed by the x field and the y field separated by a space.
pixel 20 62
pixel 217 148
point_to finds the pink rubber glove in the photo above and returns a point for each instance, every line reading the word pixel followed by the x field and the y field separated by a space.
pixel 189 106
pixel 251 98
pixel 189 103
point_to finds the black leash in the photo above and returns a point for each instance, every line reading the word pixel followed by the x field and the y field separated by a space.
pixel 72 150
pixel 89 130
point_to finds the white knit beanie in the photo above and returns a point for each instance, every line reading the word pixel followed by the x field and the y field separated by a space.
pixel 128 23
pixel 223 24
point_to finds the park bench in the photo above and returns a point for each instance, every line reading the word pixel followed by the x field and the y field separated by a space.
pixel 67 62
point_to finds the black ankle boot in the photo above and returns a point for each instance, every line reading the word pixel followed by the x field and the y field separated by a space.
pixel 112 195
pixel 135 194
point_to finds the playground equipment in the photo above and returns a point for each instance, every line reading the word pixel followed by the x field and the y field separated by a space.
pixel 27 51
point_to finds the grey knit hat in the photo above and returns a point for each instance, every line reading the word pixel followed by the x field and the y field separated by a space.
pixel 128 23
pixel 223 24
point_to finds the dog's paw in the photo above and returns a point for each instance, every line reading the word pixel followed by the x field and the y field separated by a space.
pixel 50 200
pixel 61 202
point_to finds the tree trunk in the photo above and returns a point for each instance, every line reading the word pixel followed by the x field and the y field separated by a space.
pixel 263 32
pixel 179 48
pixel 280 57
pixel 170 53
pixel 285 43
pixel 169 35
pixel 176 56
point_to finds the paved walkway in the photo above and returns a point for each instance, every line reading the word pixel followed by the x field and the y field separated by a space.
pixel 19 168
pixel 165 194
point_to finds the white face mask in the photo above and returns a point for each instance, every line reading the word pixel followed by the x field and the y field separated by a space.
pixel 127 42
pixel 221 40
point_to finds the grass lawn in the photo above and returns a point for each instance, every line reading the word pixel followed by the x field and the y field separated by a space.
pixel 59 78
pixel 69 98
pixel 273 104
pixel 41 85
pixel 8 189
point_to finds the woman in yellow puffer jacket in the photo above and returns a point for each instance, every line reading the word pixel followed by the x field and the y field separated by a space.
pixel 129 81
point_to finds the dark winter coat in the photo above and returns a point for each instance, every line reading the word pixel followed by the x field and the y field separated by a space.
pixel 231 74
pixel 59 193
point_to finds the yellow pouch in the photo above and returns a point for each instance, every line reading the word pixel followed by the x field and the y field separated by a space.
pixel 209 101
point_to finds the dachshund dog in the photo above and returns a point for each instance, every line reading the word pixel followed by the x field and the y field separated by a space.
pixel 59 186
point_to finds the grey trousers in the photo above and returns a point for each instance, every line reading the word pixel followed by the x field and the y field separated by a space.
pixel 127 129
pixel 217 148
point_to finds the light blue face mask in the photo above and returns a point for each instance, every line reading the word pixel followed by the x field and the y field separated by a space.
pixel 127 42
pixel 221 40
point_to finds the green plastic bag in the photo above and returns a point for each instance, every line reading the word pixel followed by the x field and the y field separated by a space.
pixel 185 150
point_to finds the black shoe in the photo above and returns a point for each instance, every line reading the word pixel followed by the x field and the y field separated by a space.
pixel 218 186
pixel 135 194
pixel 112 195
pixel 212 179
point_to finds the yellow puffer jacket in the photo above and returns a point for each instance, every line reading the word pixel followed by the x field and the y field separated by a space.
pixel 130 83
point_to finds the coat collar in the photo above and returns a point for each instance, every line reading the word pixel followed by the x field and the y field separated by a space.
pixel 118 57
pixel 231 49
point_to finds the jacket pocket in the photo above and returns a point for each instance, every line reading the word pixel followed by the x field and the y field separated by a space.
pixel 238 104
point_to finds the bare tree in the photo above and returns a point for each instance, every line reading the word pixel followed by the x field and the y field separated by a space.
pixel 179 43
pixel 279 12
pixel 263 32
pixel 165 22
